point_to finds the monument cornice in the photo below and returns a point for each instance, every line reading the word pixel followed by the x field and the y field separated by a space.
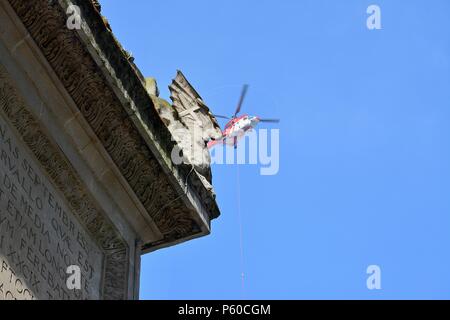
pixel 109 92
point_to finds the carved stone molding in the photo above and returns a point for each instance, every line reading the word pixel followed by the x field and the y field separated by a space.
pixel 80 75
pixel 67 181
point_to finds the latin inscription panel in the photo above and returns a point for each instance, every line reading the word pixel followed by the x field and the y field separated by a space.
pixel 39 236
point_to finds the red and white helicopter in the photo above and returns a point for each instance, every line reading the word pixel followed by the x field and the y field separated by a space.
pixel 238 126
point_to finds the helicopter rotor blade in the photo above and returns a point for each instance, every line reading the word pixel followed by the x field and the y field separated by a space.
pixel 270 120
pixel 221 117
pixel 241 100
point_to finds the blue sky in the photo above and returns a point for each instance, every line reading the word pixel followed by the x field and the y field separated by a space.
pixel 364 144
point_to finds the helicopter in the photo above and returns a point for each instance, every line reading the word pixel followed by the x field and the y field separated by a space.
pixel 238 126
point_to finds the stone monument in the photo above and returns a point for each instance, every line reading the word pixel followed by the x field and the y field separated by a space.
pixel 87 177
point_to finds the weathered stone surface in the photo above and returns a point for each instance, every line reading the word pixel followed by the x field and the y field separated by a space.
pixel 39 234
pixel 86 176
pixel 48 220
pixel 200 125
pixel 191 124
pixel 152 87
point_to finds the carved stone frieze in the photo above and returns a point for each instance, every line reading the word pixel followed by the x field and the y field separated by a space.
pixel 97 102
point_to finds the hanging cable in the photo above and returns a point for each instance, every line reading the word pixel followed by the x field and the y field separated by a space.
pixel 241 238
